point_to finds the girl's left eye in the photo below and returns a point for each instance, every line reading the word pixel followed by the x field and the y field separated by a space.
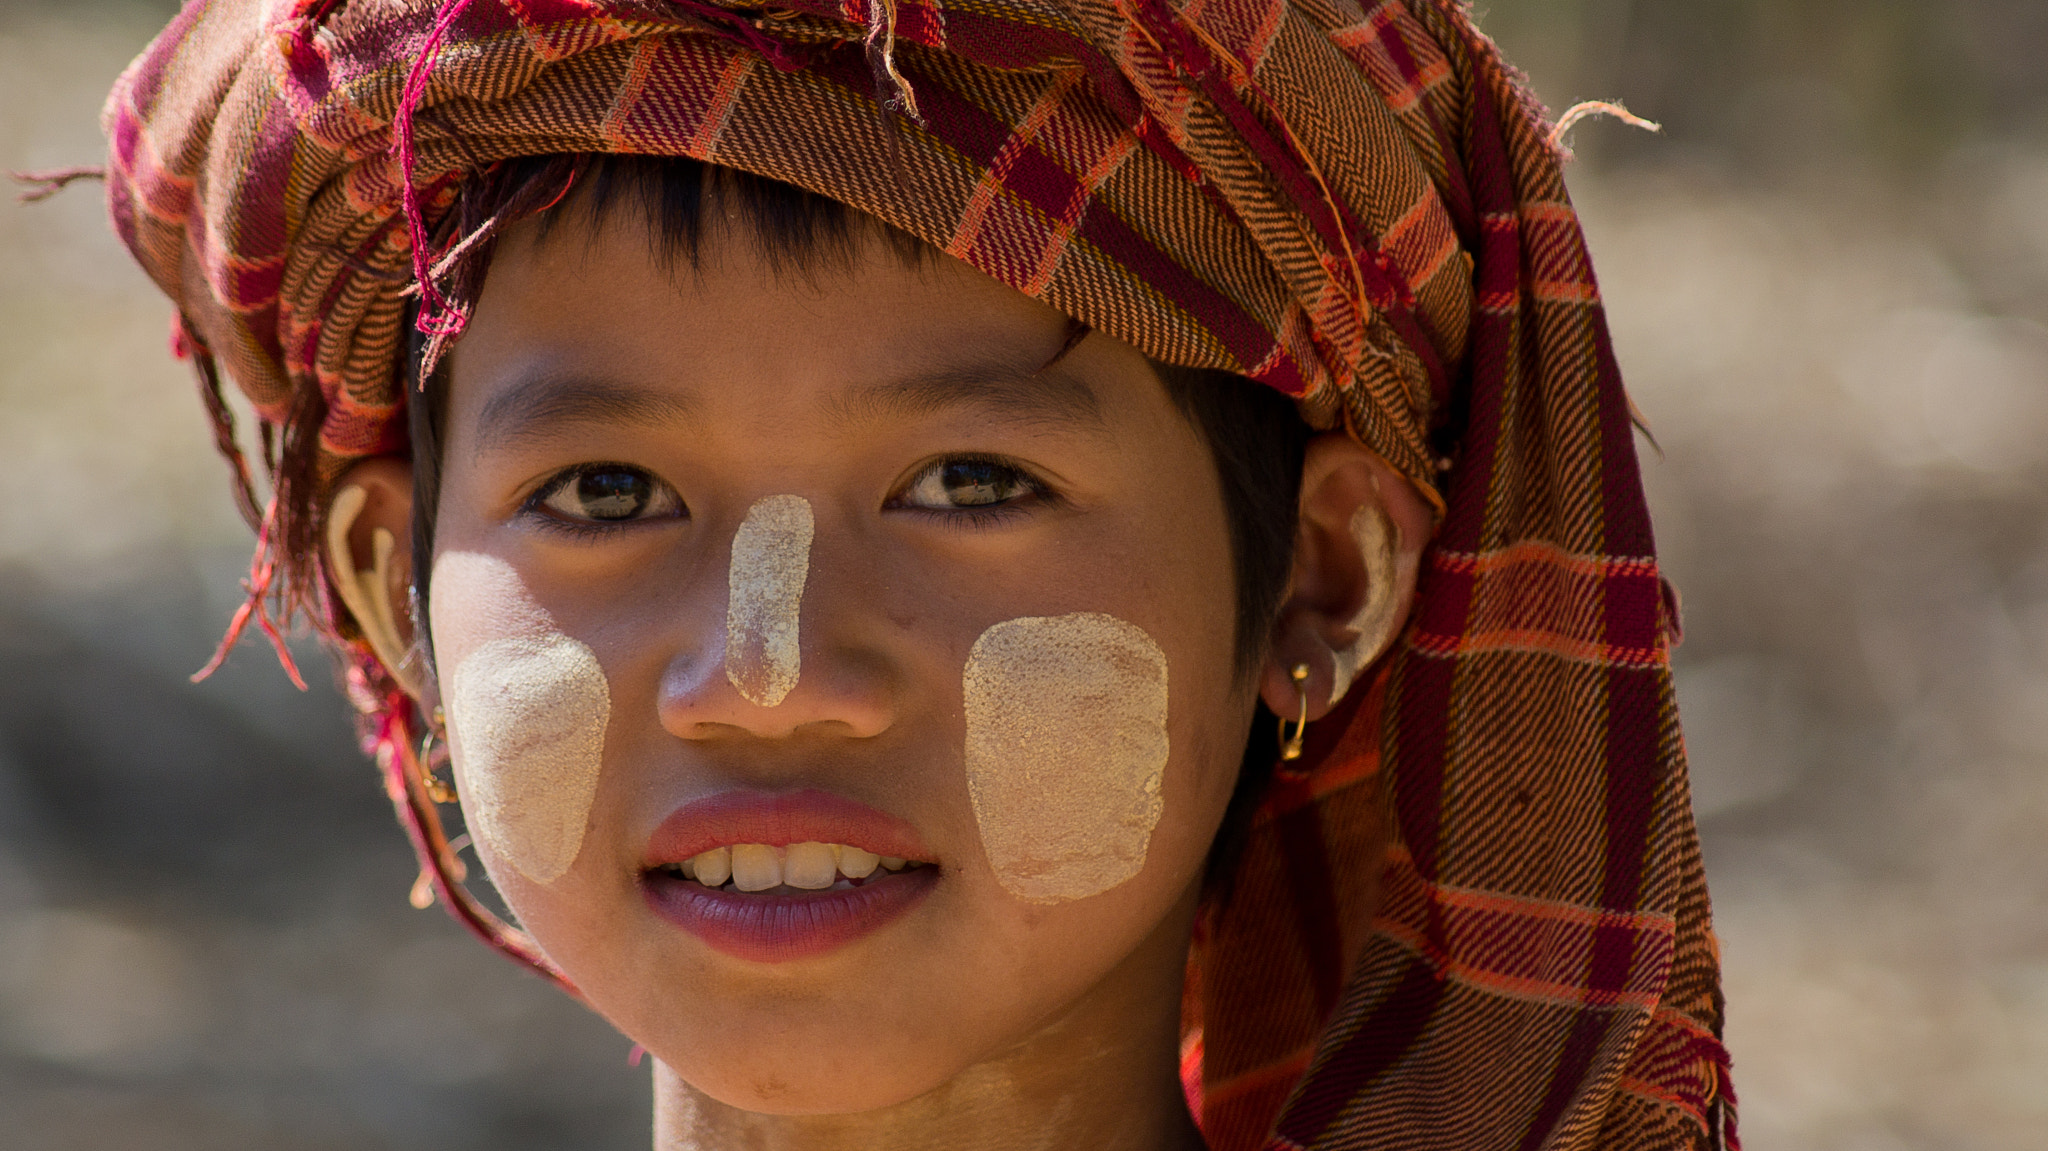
pixel 967 483
pixel 608 493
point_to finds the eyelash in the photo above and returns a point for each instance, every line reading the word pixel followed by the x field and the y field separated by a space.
pixel 1037 492
pixel 535 510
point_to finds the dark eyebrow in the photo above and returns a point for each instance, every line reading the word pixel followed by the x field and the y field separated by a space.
pixel 1043 397
pixel 533 405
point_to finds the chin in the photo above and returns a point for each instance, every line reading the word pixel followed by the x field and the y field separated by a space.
pixel 789 1081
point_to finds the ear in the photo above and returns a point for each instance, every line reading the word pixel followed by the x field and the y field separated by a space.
pixel 369 560
pixel 1357 546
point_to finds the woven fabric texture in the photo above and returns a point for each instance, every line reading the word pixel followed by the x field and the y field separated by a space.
pixel 1478 919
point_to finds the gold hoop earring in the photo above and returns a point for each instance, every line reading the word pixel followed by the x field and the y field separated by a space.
pixel 1290 745
pixel 439 790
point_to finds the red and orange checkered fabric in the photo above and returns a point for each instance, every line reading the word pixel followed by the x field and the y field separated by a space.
pixel 1479 918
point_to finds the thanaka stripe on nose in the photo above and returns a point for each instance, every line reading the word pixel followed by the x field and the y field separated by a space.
pixel 771 559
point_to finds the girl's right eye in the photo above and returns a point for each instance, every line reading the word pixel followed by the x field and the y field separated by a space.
pixel 607 494
pixel 968 483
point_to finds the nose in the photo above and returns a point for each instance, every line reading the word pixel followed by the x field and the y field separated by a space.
pixel 796 655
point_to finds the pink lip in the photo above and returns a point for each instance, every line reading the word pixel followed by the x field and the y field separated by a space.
pixel 779 927
pixel 779 820
pixel 766 928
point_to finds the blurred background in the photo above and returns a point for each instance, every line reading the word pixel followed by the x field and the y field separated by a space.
pixel 1828 280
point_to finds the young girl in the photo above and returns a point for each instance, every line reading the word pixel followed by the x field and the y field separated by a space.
pixel 996 575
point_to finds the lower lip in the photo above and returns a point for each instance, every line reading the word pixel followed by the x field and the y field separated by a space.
pixel 762 928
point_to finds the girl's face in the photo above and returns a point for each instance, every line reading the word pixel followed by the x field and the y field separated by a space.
pixel 840 696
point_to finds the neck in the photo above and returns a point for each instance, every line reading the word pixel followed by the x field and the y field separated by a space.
pixel 1104 1075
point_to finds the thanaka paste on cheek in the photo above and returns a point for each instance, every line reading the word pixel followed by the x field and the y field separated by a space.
pixel 527 710
pixel 1066 751
pixel 771 559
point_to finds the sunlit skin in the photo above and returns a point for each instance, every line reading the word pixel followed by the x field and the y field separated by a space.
pixel 975 1020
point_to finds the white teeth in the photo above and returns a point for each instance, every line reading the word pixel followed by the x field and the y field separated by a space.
pixel 809 866
pixel 755 867
pixel 714 867
pixel 857 864
pixel 806 866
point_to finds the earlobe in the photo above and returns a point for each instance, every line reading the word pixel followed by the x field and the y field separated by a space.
pixel 1358 547
pixel 369 568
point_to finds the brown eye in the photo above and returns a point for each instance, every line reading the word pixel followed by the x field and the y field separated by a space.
pixel 610 493
pixel 967 483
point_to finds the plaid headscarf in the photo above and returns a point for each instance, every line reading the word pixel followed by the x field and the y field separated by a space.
pixel 1478 919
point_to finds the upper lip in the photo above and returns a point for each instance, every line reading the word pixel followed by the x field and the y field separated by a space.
pixel 779 819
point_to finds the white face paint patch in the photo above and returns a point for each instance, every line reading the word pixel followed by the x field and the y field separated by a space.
pixel 527 713
pixel 771 559
pixel 1066 751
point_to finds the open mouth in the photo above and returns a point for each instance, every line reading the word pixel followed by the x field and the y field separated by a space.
pixel 774 877
pixel 756 868
pixel 767 904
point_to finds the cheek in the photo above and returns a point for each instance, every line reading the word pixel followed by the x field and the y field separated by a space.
pixel 1066 751
pixel 527 714
pixel 526 724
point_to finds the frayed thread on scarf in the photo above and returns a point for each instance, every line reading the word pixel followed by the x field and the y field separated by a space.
pixel 406 781
pixel 740 30
pixel 1586 109
pixel 186 345
pixel 50 181
pixel 466 244
pixel 438 319
pixel 259 588
pixel 892 91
